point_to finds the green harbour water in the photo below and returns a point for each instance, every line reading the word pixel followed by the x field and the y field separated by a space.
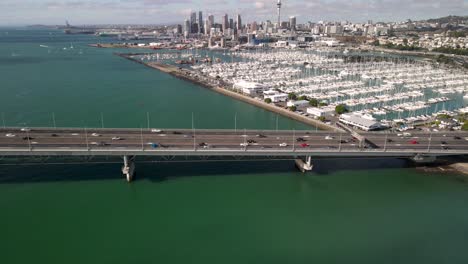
pixel 346 211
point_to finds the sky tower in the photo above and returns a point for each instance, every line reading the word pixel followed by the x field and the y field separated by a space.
pixel 279 13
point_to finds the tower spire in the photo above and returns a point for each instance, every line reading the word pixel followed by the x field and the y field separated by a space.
pixel 279 13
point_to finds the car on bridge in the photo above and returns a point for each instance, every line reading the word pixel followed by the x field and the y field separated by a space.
pixel 413 142
pixel 10 135
pixel 283 145
pixel 117 138
pixel 304 145
pixel 300 140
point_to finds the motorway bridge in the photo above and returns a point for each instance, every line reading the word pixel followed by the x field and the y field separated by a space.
pixel 302 145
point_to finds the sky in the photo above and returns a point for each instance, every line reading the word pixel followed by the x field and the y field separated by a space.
pixel 53 12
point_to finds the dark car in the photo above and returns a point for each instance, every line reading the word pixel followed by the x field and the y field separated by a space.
pixel 300 140
pixel 28 138
pixel 457 137
pixel 443 142
pixel 389 140
pixel 261 136
pixel 54 135
pixel 251 141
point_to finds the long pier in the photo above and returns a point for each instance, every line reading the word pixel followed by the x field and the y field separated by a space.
pixel 301 145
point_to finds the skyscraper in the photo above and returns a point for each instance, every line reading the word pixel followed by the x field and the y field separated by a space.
pixel 292 23
pixel 187 27
pixel 225 22
pixel 207 27
pixel 231 23
pixel 239 22
pixel 200 22
pixel 210 24
pixel 193 21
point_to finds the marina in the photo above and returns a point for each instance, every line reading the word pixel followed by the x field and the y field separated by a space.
pixel 388 88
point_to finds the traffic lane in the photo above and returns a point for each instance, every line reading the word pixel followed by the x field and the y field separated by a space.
pixel 145 131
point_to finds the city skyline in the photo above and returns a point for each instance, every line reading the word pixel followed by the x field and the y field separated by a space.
pixel 24 12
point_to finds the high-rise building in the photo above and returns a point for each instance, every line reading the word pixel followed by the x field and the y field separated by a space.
pixel 207 27
pixel 231 23
pixel 187 27
pixel 193 21
pixel 225 22
pixel 254 26
pixel 178 29
pixel 292 23
pixel 239 23
pixel 200 22
pixel 210 24
pixel 211 20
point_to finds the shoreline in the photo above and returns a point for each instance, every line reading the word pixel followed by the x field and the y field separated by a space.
pixel 186 75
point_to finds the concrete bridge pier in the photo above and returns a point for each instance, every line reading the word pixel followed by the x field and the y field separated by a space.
pixel 128 169
pixel 304 165
pixel 419 158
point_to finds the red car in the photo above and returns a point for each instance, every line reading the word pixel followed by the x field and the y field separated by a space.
pixel 413 142
pixel 304 145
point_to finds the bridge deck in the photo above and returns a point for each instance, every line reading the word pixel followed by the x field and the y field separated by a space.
pixel 183 142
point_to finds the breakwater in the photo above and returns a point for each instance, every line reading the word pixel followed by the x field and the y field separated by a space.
pixel 188 75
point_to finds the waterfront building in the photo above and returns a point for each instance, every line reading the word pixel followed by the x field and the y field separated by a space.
pixel 275 96
pixel 249 88
pixel 231 23
pixel 360 122
pixel 322 111
pixel 298 103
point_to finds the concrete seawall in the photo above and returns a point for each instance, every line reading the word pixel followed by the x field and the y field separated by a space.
pixel 184 75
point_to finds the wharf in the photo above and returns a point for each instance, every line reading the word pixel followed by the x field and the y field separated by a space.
pixel 188 75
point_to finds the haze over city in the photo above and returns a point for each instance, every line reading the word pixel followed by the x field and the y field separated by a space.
pixel 23 12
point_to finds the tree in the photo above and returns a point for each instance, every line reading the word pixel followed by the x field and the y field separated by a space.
pixel 313 102
pixel 292 96
pixel 341 109
pixel 322 119
pixel 465 126
pixel 303 97
pixel 268 100
pixel 323 104
pixel 293 108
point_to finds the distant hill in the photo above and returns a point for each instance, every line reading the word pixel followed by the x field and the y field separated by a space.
pixel 448 19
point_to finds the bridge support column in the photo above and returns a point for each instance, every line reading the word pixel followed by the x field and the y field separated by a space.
pixel 419 158
pixel 128 169
pixel 304 165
